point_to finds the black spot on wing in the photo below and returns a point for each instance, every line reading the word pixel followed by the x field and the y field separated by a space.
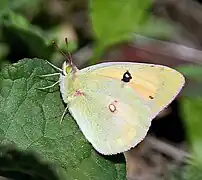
pixel 151 97
pixel 126 77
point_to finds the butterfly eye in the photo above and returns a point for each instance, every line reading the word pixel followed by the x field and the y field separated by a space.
pixel 68 69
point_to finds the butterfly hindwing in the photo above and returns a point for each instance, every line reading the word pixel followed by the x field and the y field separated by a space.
pixel 111 116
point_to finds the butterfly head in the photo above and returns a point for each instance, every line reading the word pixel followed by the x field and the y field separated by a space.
pixel 68 68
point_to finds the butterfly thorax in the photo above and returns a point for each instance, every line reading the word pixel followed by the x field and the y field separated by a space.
pixel 69 82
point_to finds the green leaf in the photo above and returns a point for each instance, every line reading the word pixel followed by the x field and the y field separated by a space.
pixel 192 72
pixel 29 119
pixel 20 165
pixel 114 21
pixel 8 5
pixel 191 112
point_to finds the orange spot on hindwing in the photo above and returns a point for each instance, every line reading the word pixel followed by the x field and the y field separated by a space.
pixel 112 106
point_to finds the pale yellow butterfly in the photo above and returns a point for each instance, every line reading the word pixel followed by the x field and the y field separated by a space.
pixel 113 103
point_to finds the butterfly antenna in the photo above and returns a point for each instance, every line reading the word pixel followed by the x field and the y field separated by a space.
pixel 69 54
pixel 69 58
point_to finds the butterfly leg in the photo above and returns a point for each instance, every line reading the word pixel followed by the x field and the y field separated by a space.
pixel 54 67
pixel 49 75
pixel 63 115
pixel 47 87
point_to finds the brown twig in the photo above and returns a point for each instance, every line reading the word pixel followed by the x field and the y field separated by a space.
pixel 168 149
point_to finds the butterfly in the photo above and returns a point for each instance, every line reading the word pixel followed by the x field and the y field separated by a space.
pixel 114 103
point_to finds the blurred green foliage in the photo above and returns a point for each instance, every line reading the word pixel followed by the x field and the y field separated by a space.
pixel 20 37
pixel 186 172
pixel 112 22
pixel 115 22
pixel 191 107
pixel 191 113
pixel 192 72
pixel 27 29
pixel 37 41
